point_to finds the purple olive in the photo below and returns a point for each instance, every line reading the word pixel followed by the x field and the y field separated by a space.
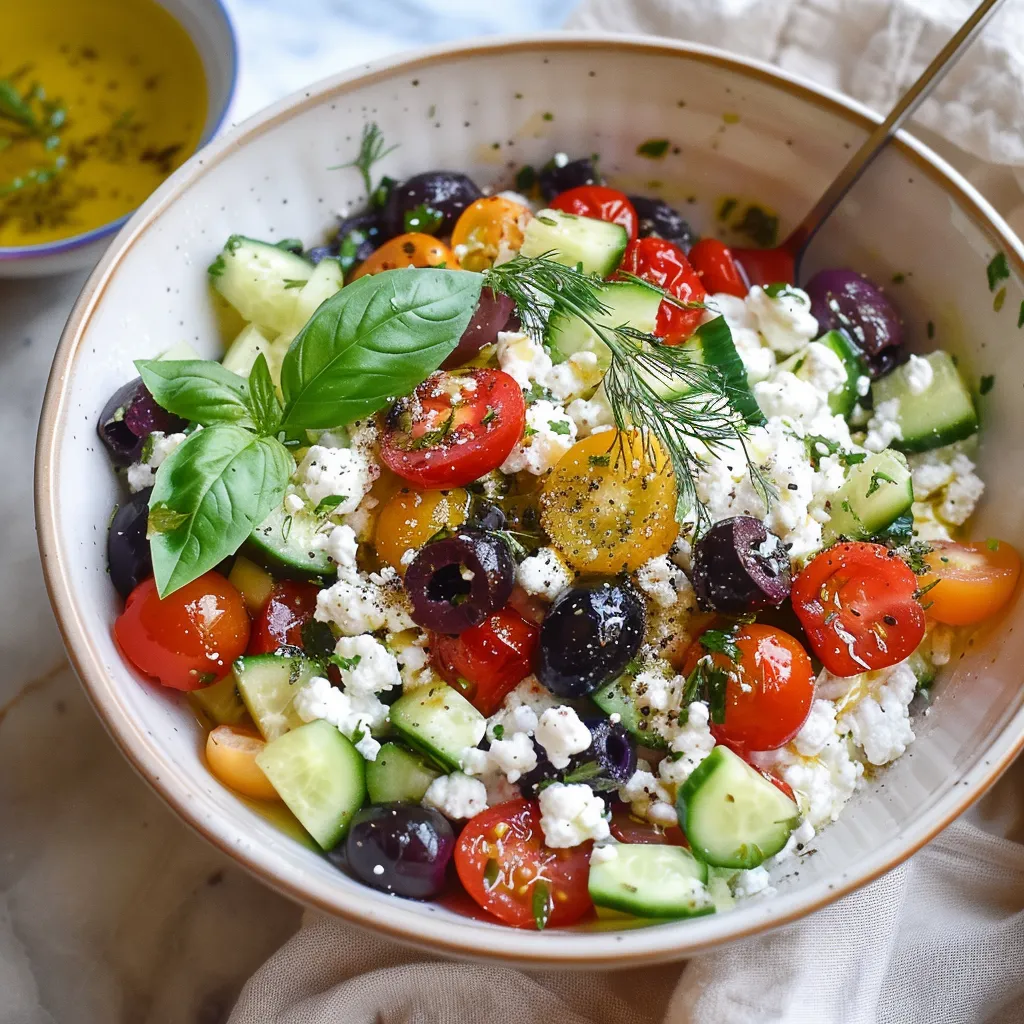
pixel 401 849
pixel 609 762
pixel 738 566
pixel 846 301
pixel 659 220
pixel 491 316
pixel 588 636
pixel 555 178
pixel 446 192
pixel 458 582
pixel 128 556
pixel 129 417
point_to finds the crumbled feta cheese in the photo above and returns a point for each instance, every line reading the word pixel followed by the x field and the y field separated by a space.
pixel 883 427
pixel 880 724
pixel 411 652
pixel 341 546
pixel 930 472
pixel 603 853
pixel 963 492
pixel 140 476
pixel 522 707
pixel 591 415
pixel 522 358
pixel 646 794
pixel 757 357
pixel 363 603
pixel 514 755
pixel 352 714
pixel 787 395
pixel 570 815
pixel 574 377
pixel 918 374
pixel 346 473
pixel 753 882
pixel 817 730
pixel 544 574
pixel 293 504
pixel 550 433
pixel 143 474
pixel 785 321
pixel 561 733
pixel 863 385
pixel 798 839
pixel 822 368
pixel 661 580
pixel 691 743
pixel 456 796
pixel 371 667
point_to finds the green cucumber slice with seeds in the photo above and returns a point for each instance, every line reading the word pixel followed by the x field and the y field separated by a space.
pixel 712 344
pixel 732 815
pixel 596 245
pixel 939 415
pixel 617 698
pixel 440 722
pixel 398 775
pixel 650 880
pixel 320 776
pixel 875 494
pixel 267 684
pixel 285 543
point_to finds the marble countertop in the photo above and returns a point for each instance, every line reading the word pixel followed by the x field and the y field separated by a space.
pixel 110 908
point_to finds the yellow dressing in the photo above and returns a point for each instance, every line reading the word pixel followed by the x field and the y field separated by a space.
pixel 134 92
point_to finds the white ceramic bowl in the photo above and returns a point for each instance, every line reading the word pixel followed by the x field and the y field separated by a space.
pixel 209 27
pixel 486 108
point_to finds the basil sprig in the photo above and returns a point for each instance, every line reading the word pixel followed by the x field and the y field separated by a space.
pixel 197 389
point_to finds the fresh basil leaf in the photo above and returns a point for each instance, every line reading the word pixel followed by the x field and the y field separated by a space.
pixel 224 481
pixel 373 341
pixel 196 389
pixel 263 400
pixel 542 905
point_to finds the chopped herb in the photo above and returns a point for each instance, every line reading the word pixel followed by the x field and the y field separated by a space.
pixel 773 291
pixel 345 664
pixel 819 446
pixel 898 278
pixel 542 905
pixel 205 678
pixel 876 482
pixel 559 427
pixel 529 432
pixel 526 178
pixel 423 218
pixel 327 505
pixel 653 149
pixel 548 116
pixel 716 683
pixel 549 221
pixel 914 555
pixel 717 641
pixel 992 544
pixel 147 449
pixel 358 734
pixel 317 639
pixel 499 731
pixel 490 415
pixel 728 205
pixel 997 302
pixel 585 772
pixel 348 249
pixel 731 118
pixel 537 393
pixel 920 592
pixel 985 384
pixel 761 227
pixel 371 151
pixel 380 194
pixel 997 270
pixel 294 282
pixel 600 460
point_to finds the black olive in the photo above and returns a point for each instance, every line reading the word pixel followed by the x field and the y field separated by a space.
pixel 608 763
pixel 659 220
pixel 554 179
pixel 129 417
pixel 446 192
pixel 588 636
pixel 128 555
pixel 739 566
pixel 457 582
pixel 488 516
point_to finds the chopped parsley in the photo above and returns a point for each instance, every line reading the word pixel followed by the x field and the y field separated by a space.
pixel 997 270
pixel 537 393
pixel 653 149
pixel 490 416
pixel 559 427
pixel 717 641
pixel 423 218
pixel 327 505
pixel 985 384
pixel 600 460
pixel 876 481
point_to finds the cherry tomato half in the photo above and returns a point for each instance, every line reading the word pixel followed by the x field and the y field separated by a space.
pixel 412 250
pixel 766 266
pixel 483 226
pixel 666 265
pixel 856 603
pixel 502 861
pixel 600 203
pixel 971 581
pixel 716 268
pixel 493 658
pixel 459 425
pixel 281 619
pixel 190 638
pixel 769 688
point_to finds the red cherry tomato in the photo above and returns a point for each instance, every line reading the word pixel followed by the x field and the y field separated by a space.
pixel 666 265
pixel 459 425
pixel 769 688
pixel 502 861
pixel 627 828
pixel 492 658
pixel 280 623
pixel 766 266
pixel 716 268
pixel 600 203
pixel 190 638
pixel 856 603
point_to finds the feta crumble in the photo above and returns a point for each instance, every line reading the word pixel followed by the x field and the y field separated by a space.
pixel 785 320
pixel 661 580
pixel 570 815
pixel 561 733
pixel 550 433
pixel 143 474
pixel 456 796
pixel 880 724
pixel 352 714
pixel 919 375
pixel 346 473
pixel 544 574
pixel 368 666
pixel 883 427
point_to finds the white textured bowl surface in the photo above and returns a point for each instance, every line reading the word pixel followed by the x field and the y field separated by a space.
pixel 208 26
pixel 482 108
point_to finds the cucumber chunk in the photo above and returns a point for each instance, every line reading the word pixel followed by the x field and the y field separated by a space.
pixel 267 684
pixel 320 776
pixel 246 349
pixel 732 815
pixel 325 281
pixel 283 542
pixel 260 280
pixel 628 303
pixel 617 698
pixel 651 881
pixel 597 245
pixel 440 722
pixel 844 398
pixel 712 344
pixel 220 702
pixel 876 493
pixel 939 415
pixel 397 775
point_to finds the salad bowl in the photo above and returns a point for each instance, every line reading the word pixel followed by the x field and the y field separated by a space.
pixel 713 134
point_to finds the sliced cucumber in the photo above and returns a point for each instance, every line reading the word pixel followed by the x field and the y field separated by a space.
pixel 596 245
pixel 325 281
pixel 732 815
pixel 320 776
pixel 178 351
pixel 440 722
pixel 267 684
pixel 923 669
pixel 397 775
pixel 284 542
pixel 651 881
pixel 260 280
pixel 712 344
pixel 246 349
pixel 939 415
pixel 220 702
pixel 844 398
pixel 628 303
pixel 617 698
pixel 876 493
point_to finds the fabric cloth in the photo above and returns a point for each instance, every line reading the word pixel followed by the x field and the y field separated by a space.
pixel 940 940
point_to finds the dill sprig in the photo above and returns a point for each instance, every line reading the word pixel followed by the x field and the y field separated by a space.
pixel 672 399
pixel 371 151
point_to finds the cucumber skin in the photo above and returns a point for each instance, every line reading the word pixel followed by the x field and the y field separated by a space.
pixel 272 553
pixel 849 522
pixel 541 238
pixel 613 698
pixel 843 401
pixel 388 776
pixel 605 888
pixel 407 704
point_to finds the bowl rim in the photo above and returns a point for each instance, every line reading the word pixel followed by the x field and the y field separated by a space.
pixel 65 245
pixel 396 919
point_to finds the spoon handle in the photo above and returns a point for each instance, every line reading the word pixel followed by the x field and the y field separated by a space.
pixel 797 241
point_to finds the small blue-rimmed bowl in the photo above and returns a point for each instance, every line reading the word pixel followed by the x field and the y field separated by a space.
pixel 210 29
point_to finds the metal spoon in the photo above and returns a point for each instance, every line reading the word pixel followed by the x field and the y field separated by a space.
pixel 787 256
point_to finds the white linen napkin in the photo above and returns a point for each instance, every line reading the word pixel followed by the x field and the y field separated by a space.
pixel 940 940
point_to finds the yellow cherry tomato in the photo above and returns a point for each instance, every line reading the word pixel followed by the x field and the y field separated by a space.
pixel 411 250
pixel 968 582
pixel 483 226
pixel 410 518
pixel 231 752
pixel 609 505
